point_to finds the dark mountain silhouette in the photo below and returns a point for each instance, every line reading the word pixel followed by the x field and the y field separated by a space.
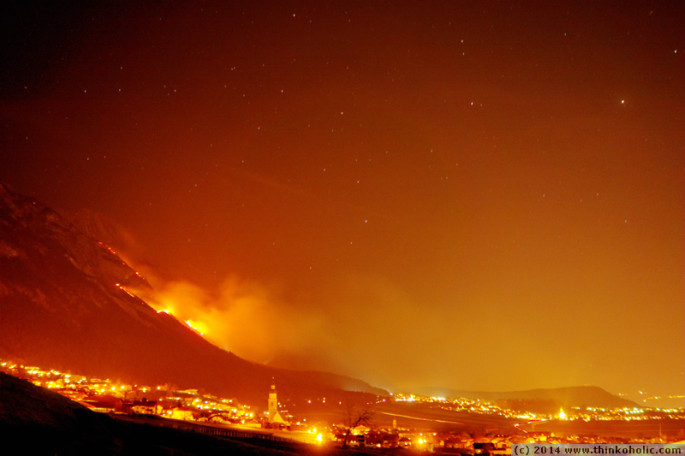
pixel 546 400
pixel 62 307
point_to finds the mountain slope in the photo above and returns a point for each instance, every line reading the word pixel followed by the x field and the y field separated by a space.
pixel 575 396
pixel 63 306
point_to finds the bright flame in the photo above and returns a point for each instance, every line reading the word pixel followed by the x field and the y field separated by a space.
pixel 242 317
pixel 197 326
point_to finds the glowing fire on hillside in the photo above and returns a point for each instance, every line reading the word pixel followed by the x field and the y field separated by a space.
pixel 240 317
pixel 196 325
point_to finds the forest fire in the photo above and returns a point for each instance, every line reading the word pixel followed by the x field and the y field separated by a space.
pixel 191 406
pixel 475 203
pixel 196 326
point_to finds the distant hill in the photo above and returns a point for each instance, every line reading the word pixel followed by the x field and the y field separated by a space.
pixel 62 307
pixel 552 398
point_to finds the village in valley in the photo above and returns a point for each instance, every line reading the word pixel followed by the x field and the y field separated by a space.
pixel 357 425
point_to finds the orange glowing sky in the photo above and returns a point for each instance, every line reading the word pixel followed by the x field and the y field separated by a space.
pixel 477 195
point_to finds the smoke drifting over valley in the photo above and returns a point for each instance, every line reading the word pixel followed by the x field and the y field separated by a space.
pixel 241 317
pixel 372 332
pixel 475 195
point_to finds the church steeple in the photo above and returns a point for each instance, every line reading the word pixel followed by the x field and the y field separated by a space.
pixel 275 418
pixel 273 400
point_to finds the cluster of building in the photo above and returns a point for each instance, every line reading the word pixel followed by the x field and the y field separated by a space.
pixel 191 406
pixel 480 406
pixel 103 395
pixel 625 414
pixel 466 443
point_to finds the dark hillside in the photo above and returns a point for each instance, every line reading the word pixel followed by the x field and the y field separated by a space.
pixel 63 306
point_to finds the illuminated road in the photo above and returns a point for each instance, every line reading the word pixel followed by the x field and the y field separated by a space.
pixel 420 419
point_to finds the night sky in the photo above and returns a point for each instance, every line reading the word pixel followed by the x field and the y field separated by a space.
pixel 475 195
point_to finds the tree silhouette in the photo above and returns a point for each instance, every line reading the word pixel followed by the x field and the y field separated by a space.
pixel 355 416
